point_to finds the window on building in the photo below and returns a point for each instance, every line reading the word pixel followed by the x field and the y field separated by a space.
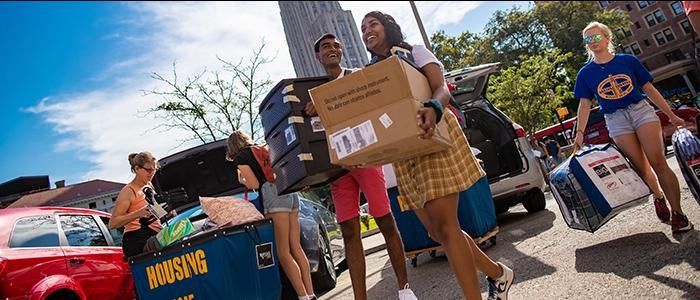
pixel 604 4
pixel 82 231
pixel 659 15
pixel 668 33
pixel 114 199
pixel 642 4
pixel 646 66
pixel 647 43
pixel 627 50
pixel 92 205
pixel 38 231
pixel 629 7
pixel 660 39
pixel 650 20
pixel 636 50
pixel 674 55
pixel 677 8
pixel 685 26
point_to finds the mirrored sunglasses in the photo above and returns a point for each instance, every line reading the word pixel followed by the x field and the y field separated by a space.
pixel 592 38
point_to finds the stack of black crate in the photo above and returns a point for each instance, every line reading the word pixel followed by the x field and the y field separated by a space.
pixel 297 142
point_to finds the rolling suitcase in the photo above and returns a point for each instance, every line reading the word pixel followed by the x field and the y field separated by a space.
pixel 594 185
pixel 687 149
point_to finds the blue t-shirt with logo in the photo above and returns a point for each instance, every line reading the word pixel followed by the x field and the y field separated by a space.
pixel 615 84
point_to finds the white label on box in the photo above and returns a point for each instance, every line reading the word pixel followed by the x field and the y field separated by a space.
pixel 316 124
pixel 289 135
pixel 343 142
pixel 613 177
pixel 364 135
pixel 385 120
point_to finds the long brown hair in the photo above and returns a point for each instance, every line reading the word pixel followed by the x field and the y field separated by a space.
pixel 392 31
pixel 236 142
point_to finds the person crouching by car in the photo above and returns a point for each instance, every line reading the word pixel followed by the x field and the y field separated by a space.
pixel 131 209
pixel 283 209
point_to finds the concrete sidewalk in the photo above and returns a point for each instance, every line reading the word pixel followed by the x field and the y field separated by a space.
pixel 373 243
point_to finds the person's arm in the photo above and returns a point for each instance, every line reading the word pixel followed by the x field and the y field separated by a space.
pixel 584 110
pixel 661 103
pixel 428 115
pixel 247 177
pixel 119 215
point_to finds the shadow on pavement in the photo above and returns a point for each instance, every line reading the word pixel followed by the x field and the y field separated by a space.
pixel 433 278
pixel 643 254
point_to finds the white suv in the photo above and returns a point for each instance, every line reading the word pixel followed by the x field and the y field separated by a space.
pixel 510 164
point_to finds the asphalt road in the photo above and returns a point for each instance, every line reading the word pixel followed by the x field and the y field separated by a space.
pixel 633 256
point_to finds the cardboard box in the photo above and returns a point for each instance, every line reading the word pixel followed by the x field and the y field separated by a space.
pixel 370 116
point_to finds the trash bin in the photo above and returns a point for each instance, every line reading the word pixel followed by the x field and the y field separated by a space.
pixel 236 262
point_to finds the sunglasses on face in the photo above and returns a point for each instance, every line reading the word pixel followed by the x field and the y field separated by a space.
pixel 592 38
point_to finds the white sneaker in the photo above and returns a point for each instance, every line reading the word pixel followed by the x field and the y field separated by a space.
pixel 407 294
pixel 498 287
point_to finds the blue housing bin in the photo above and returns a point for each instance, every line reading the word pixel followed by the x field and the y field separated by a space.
pixel 236 262
pixel 476 213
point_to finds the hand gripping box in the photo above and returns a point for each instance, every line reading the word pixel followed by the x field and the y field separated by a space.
pixel 371 116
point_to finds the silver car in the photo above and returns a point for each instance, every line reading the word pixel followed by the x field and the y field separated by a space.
pixel 511 166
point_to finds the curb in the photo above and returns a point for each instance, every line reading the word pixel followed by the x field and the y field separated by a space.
pixel 375 249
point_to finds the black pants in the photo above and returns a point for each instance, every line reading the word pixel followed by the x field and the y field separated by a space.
pixel 133 242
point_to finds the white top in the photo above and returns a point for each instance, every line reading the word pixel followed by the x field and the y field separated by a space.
pixel 422 57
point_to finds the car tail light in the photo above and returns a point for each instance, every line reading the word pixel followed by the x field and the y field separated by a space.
pixel 519 130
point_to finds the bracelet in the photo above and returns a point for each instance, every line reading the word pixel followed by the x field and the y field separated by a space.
pixel 437 106
pixel 580 131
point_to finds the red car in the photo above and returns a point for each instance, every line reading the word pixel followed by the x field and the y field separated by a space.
pixel 61 253
pixel 597 131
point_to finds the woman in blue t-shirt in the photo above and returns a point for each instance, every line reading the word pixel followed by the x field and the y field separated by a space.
pixel 622 87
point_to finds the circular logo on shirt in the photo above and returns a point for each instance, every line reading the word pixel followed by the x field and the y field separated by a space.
pixel 615 87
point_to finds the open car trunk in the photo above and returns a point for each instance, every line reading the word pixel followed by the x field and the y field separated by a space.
pixel 201 171
pixel 487 128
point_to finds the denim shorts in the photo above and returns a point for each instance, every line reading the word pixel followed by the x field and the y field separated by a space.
pixel 273 203
pixel 627 120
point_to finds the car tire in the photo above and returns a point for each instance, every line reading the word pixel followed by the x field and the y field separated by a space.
pixel 325 278
pixel 534 201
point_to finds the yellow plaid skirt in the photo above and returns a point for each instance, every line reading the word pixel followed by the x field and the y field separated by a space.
pixel 424 178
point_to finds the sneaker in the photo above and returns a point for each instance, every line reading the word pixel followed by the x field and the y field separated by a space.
pixel 498 287
pixel 662 211
pixel 680 223
pixel 407 294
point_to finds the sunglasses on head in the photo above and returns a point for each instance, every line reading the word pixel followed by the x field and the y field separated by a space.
pixel 592 38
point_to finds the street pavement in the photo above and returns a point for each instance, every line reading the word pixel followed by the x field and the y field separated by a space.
pixel 633 256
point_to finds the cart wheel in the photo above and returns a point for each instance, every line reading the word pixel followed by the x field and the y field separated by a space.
pixel 493 240
pixel 414 261
pixel 432 253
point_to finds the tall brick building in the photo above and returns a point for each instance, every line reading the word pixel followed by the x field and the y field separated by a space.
pixel 662 38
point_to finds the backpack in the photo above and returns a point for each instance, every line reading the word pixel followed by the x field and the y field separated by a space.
pixel 262 156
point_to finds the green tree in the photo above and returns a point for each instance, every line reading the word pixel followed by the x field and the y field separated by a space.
pixel 521 92
pixel 515 33
pixel 564 21
pixel 211 105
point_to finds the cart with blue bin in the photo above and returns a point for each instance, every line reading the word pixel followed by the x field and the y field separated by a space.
pixel 234 262
pixel 476 213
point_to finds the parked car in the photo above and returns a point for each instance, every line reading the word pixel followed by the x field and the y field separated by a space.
pixel 61 253
pixel 203 171
pixel 597 132
pixel 510 164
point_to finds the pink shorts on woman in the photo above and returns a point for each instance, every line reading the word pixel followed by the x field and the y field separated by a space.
pixel 346 193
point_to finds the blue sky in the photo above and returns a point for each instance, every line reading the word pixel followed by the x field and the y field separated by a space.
pixel 72 73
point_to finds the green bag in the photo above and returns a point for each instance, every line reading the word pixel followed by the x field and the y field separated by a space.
pixel 174 232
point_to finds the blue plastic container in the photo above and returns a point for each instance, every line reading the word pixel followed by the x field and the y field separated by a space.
pixel 476 213
pixel 236 262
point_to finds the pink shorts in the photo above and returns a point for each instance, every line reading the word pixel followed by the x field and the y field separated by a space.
pixel 346 193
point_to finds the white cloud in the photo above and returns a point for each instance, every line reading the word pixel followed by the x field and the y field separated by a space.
pixel 104 125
